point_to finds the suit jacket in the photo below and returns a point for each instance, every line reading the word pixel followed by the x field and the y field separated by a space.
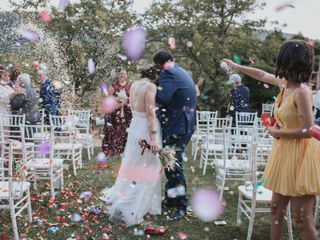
pixel 26 103
pixel 239 100
pixel 176 96
pixel 50 97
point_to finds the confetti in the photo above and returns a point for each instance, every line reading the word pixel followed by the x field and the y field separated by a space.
pixel 236 58
pixel 172 42
pixel 76 217
pixel 206 205
pixel 45 17
pixel 189 44
pixel 109 105
pixel 44 148
pixel 104 87
pixel 122 57
pixel 266 85
pixel 284 6
pixel 101 158
pixel 182 236
pixel 134 42
pixel 62 4
pixel 28 34
pixel 85 195
pixel 91 66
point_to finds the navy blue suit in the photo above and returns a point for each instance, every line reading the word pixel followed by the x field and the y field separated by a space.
pixel 176 96
pixel 50 98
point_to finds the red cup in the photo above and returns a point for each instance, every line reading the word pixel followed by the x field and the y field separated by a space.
pixel 315 132
pixel 267 120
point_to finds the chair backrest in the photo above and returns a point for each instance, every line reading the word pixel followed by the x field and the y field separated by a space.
pixel 82 118
pixel 64 128
pixel 205 119
pixel 267 108
pixel 246 119
pixel 11 126
pixel 63 121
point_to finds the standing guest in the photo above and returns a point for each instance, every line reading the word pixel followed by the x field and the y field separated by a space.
pixel 13 76
pixel 176 96
pixel 239 97
pixel 293 167
pixel 6 93
pixel 26 102
pixel 116 123
pixel 49 96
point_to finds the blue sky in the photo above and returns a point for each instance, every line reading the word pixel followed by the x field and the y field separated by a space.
pixel 303 18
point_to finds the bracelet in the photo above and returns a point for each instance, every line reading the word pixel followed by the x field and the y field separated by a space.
pixel 153 132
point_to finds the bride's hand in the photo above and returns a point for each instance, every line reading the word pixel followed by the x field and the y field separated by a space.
pixel 154 147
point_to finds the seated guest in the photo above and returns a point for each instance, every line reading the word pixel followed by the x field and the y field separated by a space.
pixel 6 93
pixel 26 101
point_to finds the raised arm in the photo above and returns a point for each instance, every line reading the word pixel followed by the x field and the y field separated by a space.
pixel 151 115
pixel 303 100
pixel 166 89
pixel 256 73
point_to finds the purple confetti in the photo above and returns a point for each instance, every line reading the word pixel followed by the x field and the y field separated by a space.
pixel 101 158
pixel 91 66
pixel 44 148
pixel 85 195
pixel 134 42
pixel 122 57
pixel 206 205
pixel 104 88
pixel 62 4
pixel 29 35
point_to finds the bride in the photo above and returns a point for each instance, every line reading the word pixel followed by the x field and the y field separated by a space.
pixel 137 188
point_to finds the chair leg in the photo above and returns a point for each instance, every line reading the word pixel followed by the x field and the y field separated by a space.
pixel 29 209
pixel 205 164
pixel 14 222
pixel 223 181
pixel 88 151
pixel 251 221
pixel 74 164
pixel 52 185
pixel 62 180
pixel 289 222
pixel 196 149
pixel 239 209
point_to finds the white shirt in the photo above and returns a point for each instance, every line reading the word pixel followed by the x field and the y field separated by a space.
pixel 5 91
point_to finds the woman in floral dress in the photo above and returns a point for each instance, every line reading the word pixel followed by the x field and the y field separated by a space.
pixel 116 123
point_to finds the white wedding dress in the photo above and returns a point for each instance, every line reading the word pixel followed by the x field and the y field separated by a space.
pixel 137 190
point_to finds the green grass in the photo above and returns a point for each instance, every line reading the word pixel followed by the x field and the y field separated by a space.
pixel 91 179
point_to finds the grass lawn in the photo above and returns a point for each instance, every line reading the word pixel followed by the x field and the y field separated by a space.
pixel 55 220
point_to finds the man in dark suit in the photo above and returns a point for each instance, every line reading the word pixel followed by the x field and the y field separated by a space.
pixel 176 96
pixel 50 97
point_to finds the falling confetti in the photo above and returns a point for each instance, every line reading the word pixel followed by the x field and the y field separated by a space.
pixel 122 57
pixel 172 42
pixel 266 85
pixel 284 6
pixel 101 158
pixel 182 236
pixel 62 4
pixel 104 88
pixel 236 58
pixel 189 44
pixel 44 148
pixel 76 217
pixel 91 66
pixel 45 17
pixel 206 205
pixel 29 35
pixel 134 42
pixel 85 195
pixel 109 104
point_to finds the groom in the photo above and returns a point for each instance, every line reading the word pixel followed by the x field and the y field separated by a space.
pixel 176 96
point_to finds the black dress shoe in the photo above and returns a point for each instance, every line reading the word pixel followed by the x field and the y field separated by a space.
pixel 178 214
pixel 167 203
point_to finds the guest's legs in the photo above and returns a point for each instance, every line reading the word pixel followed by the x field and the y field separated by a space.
pixel 278 206
pixel 303 213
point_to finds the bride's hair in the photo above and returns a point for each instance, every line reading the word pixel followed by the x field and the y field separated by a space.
pixel 150 72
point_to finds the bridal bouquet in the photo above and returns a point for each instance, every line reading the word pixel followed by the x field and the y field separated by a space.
pixel 122 96
pixel 166 155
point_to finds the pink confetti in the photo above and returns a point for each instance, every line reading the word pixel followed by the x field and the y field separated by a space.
pixel 109 105
pixel 122 57
pixel 45 17
pixel 172 42
pixel 62 4
pixel 29 35
pixel 266 85
pixel 91 66
pixel 44 148
pixel 104 88
pixel 284 6
pixel 134 42
pixel 182 236
pixel 101 158
pixel 105 236
pixel 206 205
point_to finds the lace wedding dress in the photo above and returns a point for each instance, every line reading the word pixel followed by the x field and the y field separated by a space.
pixel 136 191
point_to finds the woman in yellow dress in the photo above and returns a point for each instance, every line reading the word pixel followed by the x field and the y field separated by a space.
pixel 293 169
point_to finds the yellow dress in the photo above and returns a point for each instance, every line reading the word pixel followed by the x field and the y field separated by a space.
pixel 293 167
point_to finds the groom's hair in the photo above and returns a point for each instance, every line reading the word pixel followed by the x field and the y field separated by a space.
pixel 161 57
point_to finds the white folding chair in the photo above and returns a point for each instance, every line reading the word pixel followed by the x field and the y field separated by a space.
pixel 83 126
pixel 267 108
pixel 212 143
pixel 14 189
pixel 203 120
pixel 253 196
pixel 66 144
pixel 236 158
pixel 43 164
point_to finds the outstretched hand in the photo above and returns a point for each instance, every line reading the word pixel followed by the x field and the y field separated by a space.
pixel 229 63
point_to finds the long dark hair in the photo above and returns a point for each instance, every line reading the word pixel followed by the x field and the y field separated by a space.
pixel 295 61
